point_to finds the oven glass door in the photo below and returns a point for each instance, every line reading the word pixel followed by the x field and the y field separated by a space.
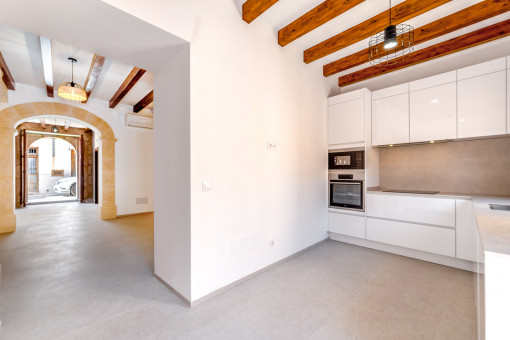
pixel 346 194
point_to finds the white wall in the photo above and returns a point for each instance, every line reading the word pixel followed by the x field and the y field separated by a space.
pixel 134 160
pixel 62 156
pixel 172 207
pixel 246 91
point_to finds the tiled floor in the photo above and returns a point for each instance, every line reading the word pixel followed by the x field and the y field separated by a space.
pixel 38 199
pixel 66 274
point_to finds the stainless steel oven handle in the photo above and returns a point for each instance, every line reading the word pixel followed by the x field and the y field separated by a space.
pixel 347 183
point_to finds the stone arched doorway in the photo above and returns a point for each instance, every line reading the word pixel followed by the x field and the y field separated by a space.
pixel 10 117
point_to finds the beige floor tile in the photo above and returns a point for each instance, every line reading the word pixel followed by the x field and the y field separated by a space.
pixel 69 275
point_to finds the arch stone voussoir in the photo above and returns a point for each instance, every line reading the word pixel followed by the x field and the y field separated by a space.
pixel 11 115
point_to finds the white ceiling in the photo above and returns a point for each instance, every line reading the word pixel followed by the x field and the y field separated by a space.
pixel 58 122
pixel 286 11
pixel 22 53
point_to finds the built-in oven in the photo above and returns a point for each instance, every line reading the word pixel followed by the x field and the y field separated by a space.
pixel 346 190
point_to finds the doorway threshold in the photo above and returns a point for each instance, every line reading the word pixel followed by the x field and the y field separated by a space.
pixel 51 202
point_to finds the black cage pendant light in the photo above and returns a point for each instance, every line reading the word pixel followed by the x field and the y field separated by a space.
pixel 392 45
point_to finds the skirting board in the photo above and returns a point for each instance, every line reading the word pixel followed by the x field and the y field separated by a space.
pixel 238 282
pixel 136 214
pixel 182 298
pixel 415 254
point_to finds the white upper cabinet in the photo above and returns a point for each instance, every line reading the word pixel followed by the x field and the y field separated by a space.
pixel 482 95
pixel 481 69
pixel 346 119
pixel 508 95
pixel 433 108
pixel 390 115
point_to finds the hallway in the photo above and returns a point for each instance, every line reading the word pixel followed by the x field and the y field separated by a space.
pixel 66 274
pixel 64 268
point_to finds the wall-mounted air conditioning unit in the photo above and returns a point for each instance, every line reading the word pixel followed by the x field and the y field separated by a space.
pixel 139 121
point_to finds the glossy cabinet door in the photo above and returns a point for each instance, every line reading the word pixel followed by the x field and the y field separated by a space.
pixel 390 120
pixel 467 237
pixel 433 113
pixel 411 208
pixel 413 236
pixel 482 105
pixel 346 123
pixel 346 224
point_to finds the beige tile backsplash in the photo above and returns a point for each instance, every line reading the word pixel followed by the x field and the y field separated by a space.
pixel 476 166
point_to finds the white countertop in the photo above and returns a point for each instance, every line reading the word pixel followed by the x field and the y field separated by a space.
pixel 493 225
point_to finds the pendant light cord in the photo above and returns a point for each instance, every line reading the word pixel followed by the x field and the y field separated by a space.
pixel 390 12
pixel 72 67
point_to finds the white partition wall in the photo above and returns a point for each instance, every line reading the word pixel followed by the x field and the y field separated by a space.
pixel 172 208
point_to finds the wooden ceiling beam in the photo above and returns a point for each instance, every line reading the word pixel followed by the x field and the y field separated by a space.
pixel 146 101
pixel 6 74
pixel 47 65
pixel 133 77
pixel 318 16
pixel 94 71
pixel 400 13
pixel 463 18
pixel 252 9
pixel 463 42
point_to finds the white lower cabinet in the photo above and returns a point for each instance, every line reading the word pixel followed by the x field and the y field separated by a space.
pixel 444 226
pixel 468 239
pixel 430 239
pixel 415 209
pixel 346 224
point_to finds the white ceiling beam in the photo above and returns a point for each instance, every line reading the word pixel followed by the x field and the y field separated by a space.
pixel 47 65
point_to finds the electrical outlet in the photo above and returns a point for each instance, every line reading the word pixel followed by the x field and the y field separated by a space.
pixel 206 186
pixel 271 243
pixel 271 145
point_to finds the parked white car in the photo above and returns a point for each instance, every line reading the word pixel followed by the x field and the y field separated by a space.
pixel 66 186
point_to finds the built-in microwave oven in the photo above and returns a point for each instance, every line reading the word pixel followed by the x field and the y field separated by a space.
pixel 346 160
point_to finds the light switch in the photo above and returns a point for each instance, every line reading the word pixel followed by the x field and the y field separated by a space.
pixel 206 186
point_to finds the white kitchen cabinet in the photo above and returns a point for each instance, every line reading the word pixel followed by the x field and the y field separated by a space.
pixel 439 79
pixel 467 237
pixel 346 123
pixel 430 239
pixel 482 105
pixel 481 69
pixel 424 210
pixel 346 224
pixel 390 120
pixel 433 113
pixel 508 96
